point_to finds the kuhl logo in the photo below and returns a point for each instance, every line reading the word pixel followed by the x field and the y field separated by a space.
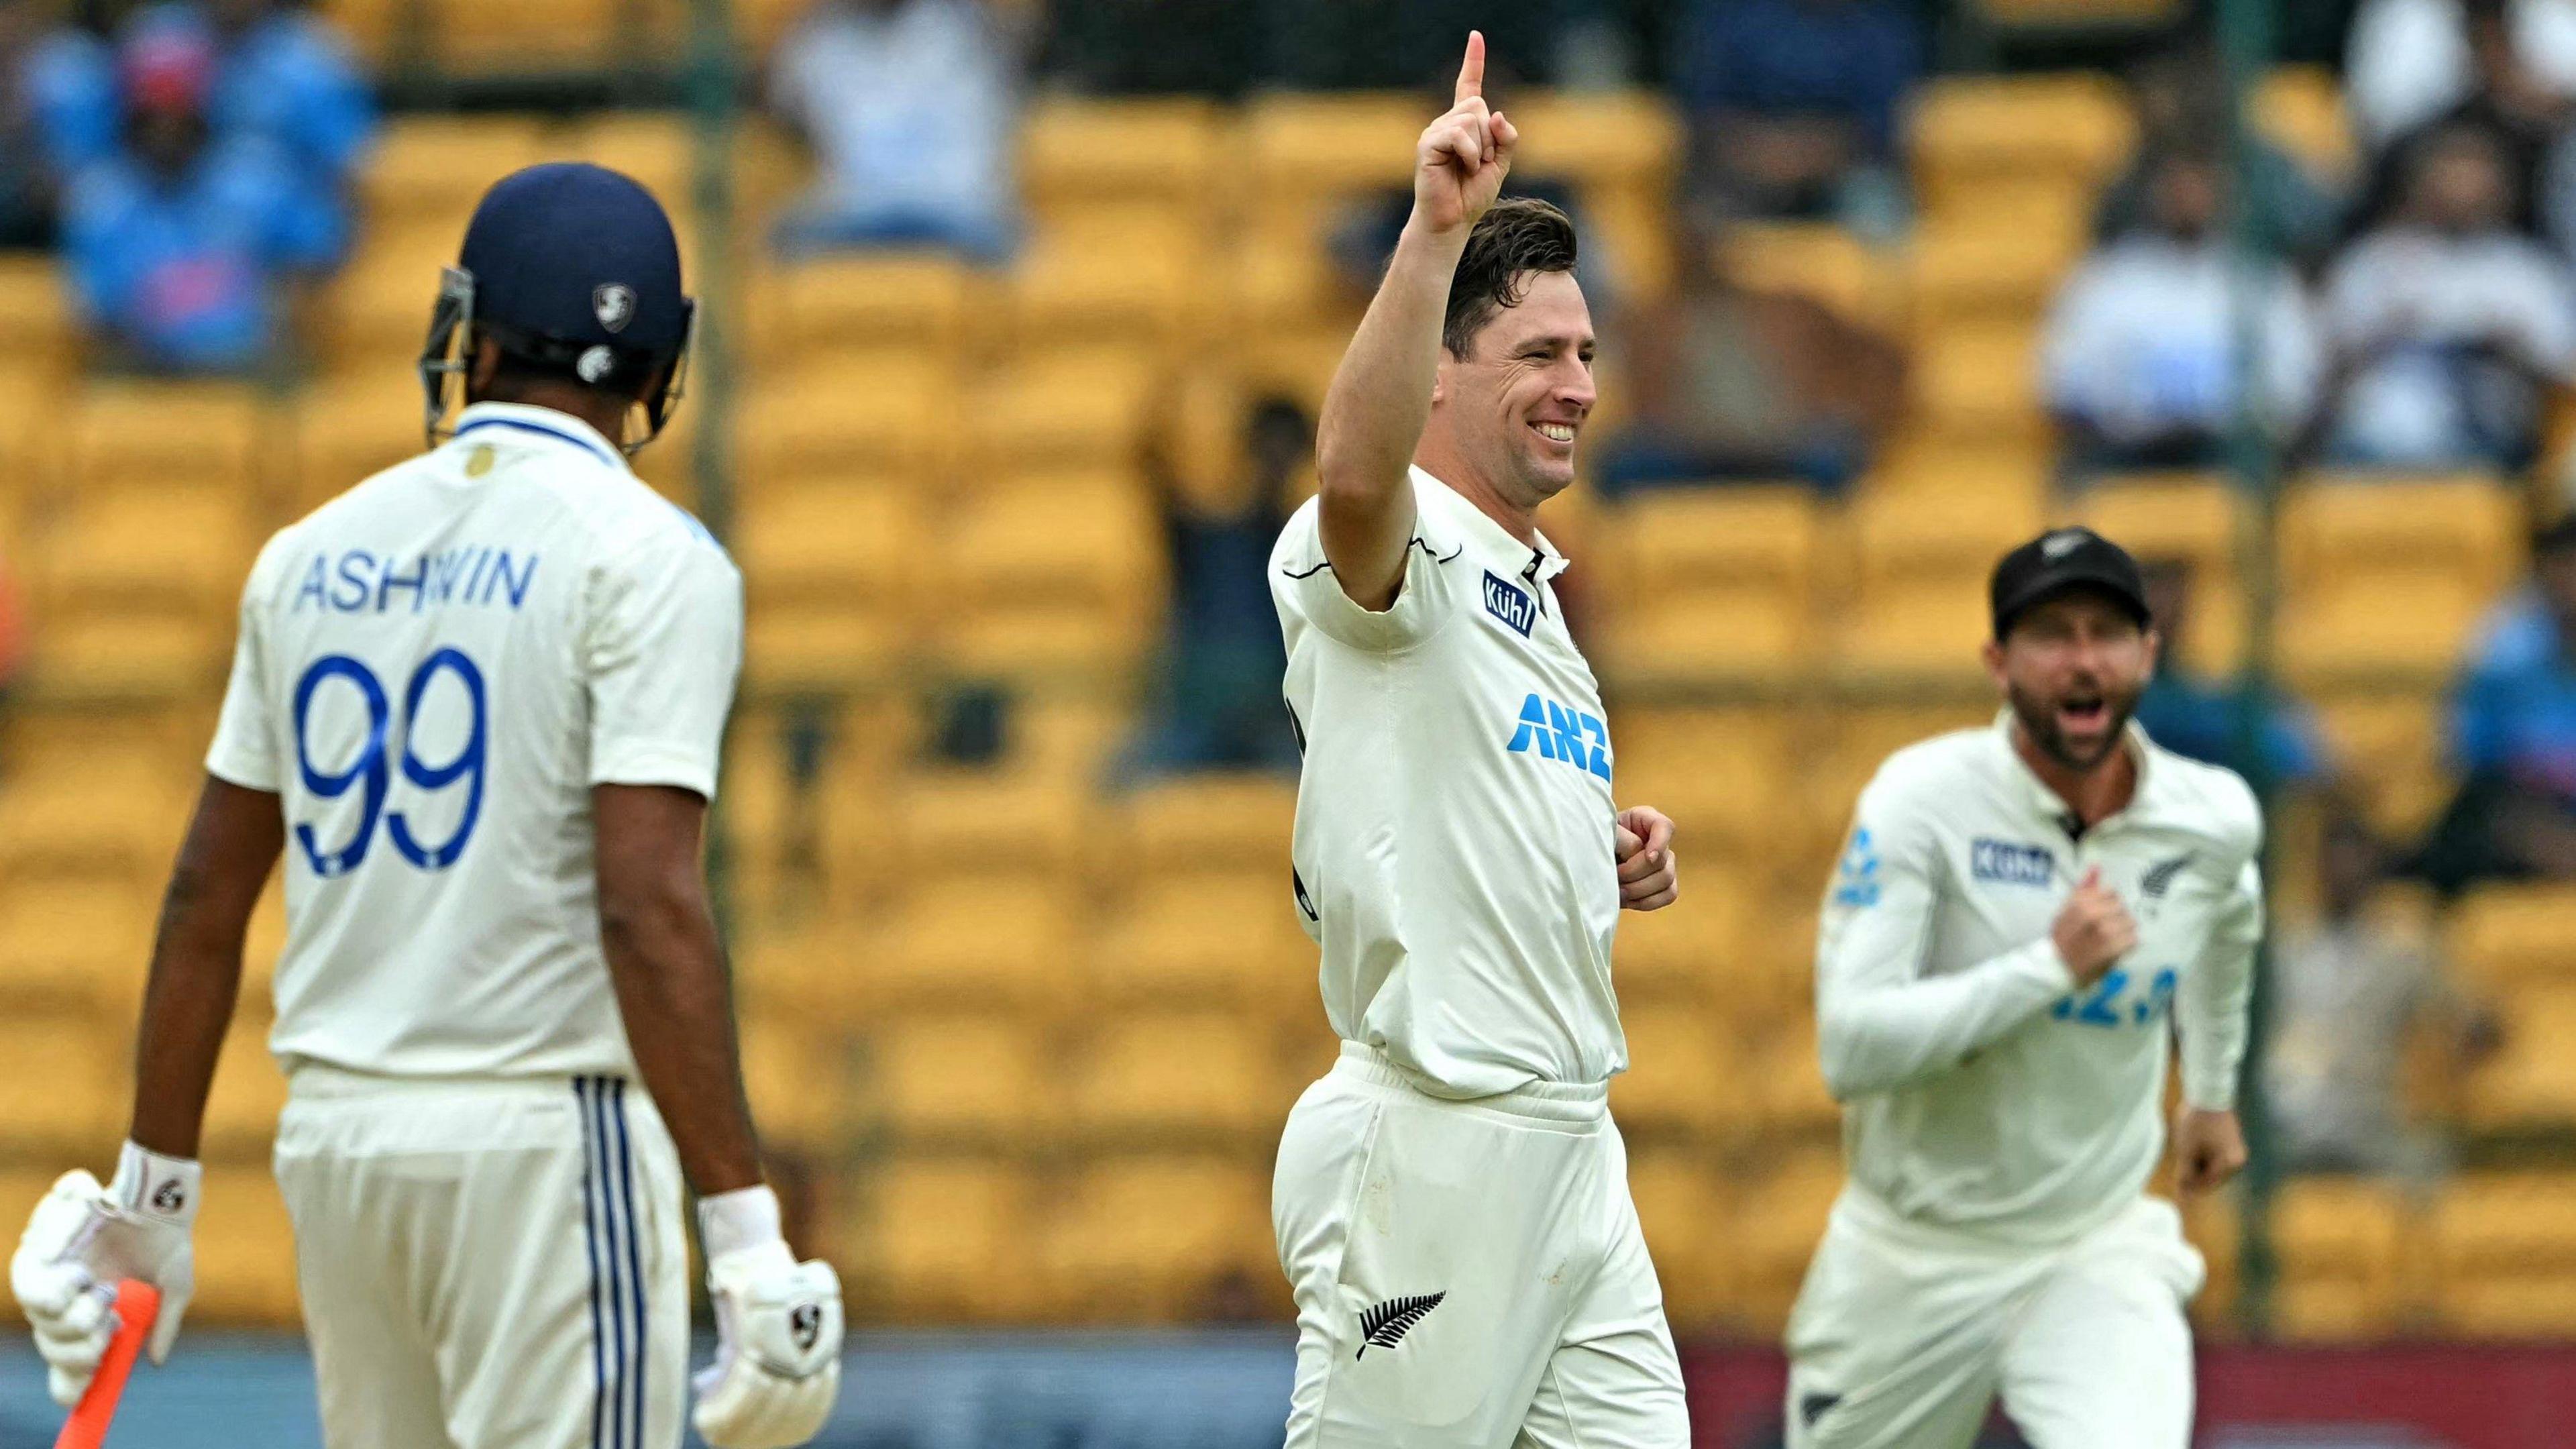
pixel 1554 732
pixel 1385 1325
pixel 2012 862
pixel 1507 602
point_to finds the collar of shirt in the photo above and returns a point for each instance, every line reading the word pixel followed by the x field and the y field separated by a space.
pixel 1462 524
pixel 2048 803
pixel 543 424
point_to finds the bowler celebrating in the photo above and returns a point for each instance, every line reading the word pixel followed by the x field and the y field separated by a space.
pixel 2024 918
pixel 1452 1200
pixel 476 702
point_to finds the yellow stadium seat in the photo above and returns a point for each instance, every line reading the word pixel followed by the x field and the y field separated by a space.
pixel 2338 1244
pixel 1685 1206
pixel 352 427
pixel 1923 560
pixel 2531 1083
pixel 1062 411
pixel 1116 1250
pixel 944 1078
pixel 1156 1077
pixel 1722 773
pixel 1003 819
pixel 2502 937
pixel 1962 473
pixel 1713 582
pixel 2082 17
pixel 1787 1083
pixel 36 299
pixel 1203 938
pixel 826 580
pixel 245 1251
pixel 656 148
pixel 67 1087
pixel 159 656
pixel 499 37
pixel 168 436
pixel 2505 1250
pixel 796 1072
pixel 2390 746
pixel 1309 149
pixel 1979 381
pixel 75 938
pixel 1078 153
pixel 1049 580
pixel 1101 277
pixel 137 550
pixel 1817 261
pixel 2300 109
pixel 1779 1219
pixel 434 168
pixel 1196 824
pixel 2192 517
pixel 859 304
pixel 249 1092
pixel 1694 952
pixel 1009 938
pixel 2383 575
pixel 2069 128
pixel 120 816
pixel 1683 1071
pixel 1996 264
pixel 940 1239
pixel 885 418
pixel 1628 138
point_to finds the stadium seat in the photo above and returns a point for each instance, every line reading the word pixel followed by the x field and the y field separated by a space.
pixel 2052 18
pixel 1062 411
pixel 353 426
pixel 507 37
pixel 656 148
pixel 68 1084
pixel 74 939
pixel 1310 150
pixel 881 419
pixel 859 304
pixel 2390 574
pixel 38 305
pixel 249 1091
pixel 1996 264
pixel 1116 1249
pixel 168 436
pixel 2505 1250
pixel 797 1076
pixel 1818 261
pixel 1971 131
pixel 2192 517
pixel 1786 1082
pixel 1156 1078
pixel 1779 1219
pixel 1599 139
pixel 432 169
pixel 1724 773
pixel 983 939
pixel 2501 937
pixel 2338 1244
pixel 940 1240
pixel 1689 956
pixel 1229 939
pixel 2389 743
pixel 1684 1204
pixel 1000 819
pixel 1046 580
pixel 1712 582
pixel 245 1249
pixel 946 1078
pixel 1089 279
pixel 1978 382
pixel 2300 109
pixel 826 581
pixel 1922 560
pixel 1683 1069
pixel 120 816
pixel 1082 153
pixel 1200 823
pixel 1954 473
pixel 2531 1082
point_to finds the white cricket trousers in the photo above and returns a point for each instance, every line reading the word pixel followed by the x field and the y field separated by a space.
pixel 1469 1274
pixel 487 1263
pixel 1905 1334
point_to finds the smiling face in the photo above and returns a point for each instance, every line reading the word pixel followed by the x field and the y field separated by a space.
pixel 1514 404
pixel 2072 669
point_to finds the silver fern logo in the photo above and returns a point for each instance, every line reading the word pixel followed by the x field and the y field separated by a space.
pixel 2160 879
pixel 1385 1325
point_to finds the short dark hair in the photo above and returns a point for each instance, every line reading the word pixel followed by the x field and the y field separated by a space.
pixel 1520 236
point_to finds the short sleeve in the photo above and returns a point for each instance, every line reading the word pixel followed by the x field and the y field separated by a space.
pixel 247 751
pixel 1435 565
pixel 661 650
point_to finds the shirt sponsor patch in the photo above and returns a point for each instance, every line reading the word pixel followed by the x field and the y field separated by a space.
pixel 1856 878
pixel 2011 862
pixel 1553 731
pixel 1510 603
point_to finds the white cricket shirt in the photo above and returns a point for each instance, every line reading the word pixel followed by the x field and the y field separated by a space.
pixel 1454 842
pixel 1981 1089
pixel 432 672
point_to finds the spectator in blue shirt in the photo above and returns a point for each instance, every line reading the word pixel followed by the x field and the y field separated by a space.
pixel 2513 735
pixel 1795 107
pixel 277 74
pixel 2192 714
pixel 182 247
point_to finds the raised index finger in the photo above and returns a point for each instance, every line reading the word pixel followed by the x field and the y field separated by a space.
pixel 1471 71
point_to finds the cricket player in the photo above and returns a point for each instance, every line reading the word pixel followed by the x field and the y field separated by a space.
pixel 2024 917
pixel 1451 1201
pixel 476 704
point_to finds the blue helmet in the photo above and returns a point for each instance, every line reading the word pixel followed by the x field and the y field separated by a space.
pixel 571 267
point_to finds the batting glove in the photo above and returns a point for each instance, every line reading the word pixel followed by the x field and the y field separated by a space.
pixel 84 1239
pixel 778 1329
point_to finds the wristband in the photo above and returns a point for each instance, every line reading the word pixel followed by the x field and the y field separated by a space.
pixel 153 1186
pixel 732 1221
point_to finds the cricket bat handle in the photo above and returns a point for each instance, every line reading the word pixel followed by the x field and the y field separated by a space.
pixel 137 1302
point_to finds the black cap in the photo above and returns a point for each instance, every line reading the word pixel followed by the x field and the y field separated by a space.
pixel 577 256
pixel 2057 561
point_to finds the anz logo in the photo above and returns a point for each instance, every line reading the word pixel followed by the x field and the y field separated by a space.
pixel 1554 732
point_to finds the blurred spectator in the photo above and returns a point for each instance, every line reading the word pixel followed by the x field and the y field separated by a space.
pixel 26 181
pixel 1727 383
pixel 2513 735
pixel 911 108
pixel 1391 44
pixel 2445 325
pixel 183 247
pixel 2347 1001
pixel 2142 355
pixel 275 73
pixel 2180 95
pixel 2191 714
pixel 1794 107
pixel 2411 62
pixel 1219 707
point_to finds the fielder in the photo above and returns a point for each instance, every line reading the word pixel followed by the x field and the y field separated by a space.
pixel 2023 917
pixel 476 703
pixel 1451 1201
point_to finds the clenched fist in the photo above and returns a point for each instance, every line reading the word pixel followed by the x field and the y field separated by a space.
pixel 2092 930
pixel 1460 162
